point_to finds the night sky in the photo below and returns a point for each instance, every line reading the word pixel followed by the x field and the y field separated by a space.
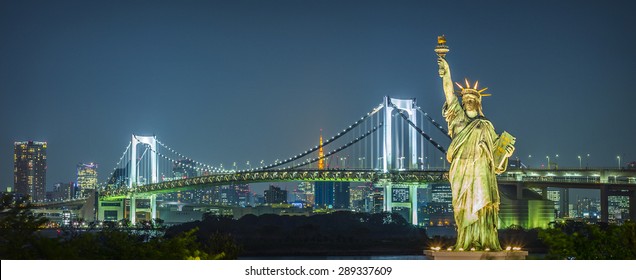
pixel 225 81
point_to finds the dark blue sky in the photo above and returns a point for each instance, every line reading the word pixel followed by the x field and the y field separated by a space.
pixel 226 81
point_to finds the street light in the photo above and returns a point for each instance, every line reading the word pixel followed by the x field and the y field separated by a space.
pixel 443 161
pixel 548 157
pixel 619 161
pixel 579 162
pixel 587 162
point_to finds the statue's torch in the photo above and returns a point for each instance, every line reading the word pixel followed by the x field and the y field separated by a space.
pixel 441 51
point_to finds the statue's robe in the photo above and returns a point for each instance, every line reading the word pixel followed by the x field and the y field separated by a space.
pixel 472 177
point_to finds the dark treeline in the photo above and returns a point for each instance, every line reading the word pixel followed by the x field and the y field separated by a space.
pixel 22 236
pixel 328 234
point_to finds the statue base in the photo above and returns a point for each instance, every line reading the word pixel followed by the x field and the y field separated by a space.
pixel 475 255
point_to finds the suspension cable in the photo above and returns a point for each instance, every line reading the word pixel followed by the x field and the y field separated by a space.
pixel 334 138
pixel 437 125
pixel 104 184
pixel 438 146
pixel 206 166
pixel 210 169
pixel 336 150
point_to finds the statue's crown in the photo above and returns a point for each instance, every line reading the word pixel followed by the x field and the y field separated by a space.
pixel 471 90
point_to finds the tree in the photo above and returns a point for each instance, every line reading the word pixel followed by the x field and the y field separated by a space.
pixel 17 228
pixel 573 240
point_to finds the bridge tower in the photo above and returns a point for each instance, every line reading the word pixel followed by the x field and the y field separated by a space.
pixel 408 193
pixel 151 141
pixel 406 106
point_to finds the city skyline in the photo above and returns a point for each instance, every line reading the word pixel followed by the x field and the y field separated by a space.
pixel 251 81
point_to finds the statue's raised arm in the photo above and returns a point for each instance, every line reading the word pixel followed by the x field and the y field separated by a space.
pixel 447 81
pixel 444 69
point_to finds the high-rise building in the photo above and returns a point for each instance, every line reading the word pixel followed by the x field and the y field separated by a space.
pixel 588 208
pixel 29 169
pixel 618 207
pixel 439 209
pixel 358 201
pixel 331 195
pixel 275 195
pixel 86 177
pixel 228 195
pixel 341 195
pixel 304 193
pixel 119 178
pixel 323 195
pixel 62 191
pixel 560 198
pixel 243 194
pixel 377 200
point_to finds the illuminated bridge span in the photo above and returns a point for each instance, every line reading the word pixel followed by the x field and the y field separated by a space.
pixel 389 146
pixel 402 177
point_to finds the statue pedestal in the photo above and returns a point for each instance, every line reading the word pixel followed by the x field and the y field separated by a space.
pixel 475 255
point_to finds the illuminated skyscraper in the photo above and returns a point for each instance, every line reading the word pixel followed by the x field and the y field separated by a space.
pixel 86 177
pixel 29 169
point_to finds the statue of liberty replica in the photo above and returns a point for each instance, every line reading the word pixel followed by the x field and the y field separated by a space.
pixel 477 154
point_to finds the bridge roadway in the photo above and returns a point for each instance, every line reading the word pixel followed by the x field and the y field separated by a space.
pixel 403 177
pixel 565 178
pixel 610 182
